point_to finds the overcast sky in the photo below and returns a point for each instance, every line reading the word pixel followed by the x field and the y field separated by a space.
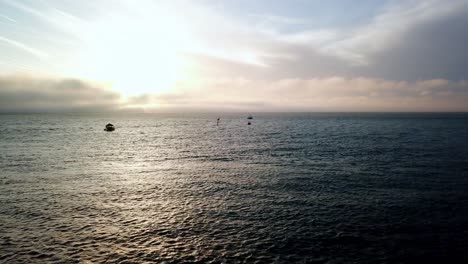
pixel 238 55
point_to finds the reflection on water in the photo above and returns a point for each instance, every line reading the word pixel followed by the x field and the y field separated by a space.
pixel 288 188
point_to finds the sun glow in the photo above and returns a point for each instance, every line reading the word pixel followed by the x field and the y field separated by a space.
pixel 136 53
pixel 148 47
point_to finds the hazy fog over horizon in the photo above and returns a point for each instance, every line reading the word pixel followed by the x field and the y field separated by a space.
pixel 256 56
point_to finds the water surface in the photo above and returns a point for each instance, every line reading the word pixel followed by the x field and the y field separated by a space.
pixel 325 188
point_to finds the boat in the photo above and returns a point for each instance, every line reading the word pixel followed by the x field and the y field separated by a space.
pixel 249 117
pixel 109 127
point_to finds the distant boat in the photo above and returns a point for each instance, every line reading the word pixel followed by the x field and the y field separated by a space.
pixel 249 117
pixel 109 127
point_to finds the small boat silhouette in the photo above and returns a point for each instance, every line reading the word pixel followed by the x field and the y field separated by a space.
pixel 249 117
pixel 109 127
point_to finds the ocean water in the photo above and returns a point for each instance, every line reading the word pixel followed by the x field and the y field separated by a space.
pixel 290 188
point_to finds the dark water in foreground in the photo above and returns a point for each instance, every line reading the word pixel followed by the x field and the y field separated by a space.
pixel 325 188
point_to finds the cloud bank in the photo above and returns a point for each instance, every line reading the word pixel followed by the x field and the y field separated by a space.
pixel 318 94
pixel 34 94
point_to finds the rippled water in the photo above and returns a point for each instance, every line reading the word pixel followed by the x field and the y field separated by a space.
pixel 289 188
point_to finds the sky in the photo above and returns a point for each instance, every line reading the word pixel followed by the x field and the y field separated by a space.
pixel 233 55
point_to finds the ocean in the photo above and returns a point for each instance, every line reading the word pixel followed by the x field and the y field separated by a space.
pixel 289 188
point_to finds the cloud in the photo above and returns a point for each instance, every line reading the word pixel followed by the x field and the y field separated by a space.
pixel 27 93
pixel 7 18
pixel 406 40
pixel 398 40
pixel 388 29
pixel 435 49
pixel 405 56
pixel 317 94
pixel 37 53
pixel 33 94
